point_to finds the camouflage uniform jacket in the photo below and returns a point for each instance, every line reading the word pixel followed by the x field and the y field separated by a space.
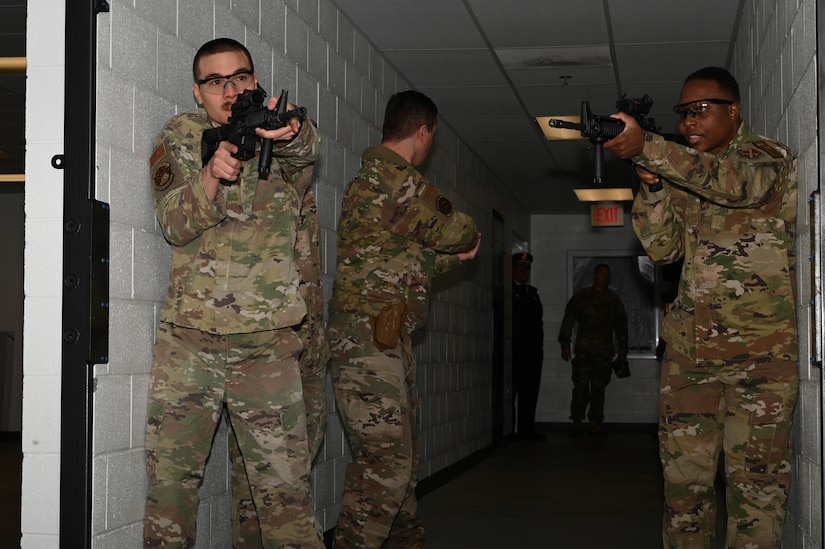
pixel 396 231
pixel 732 218
pixel 234 259
pixel 599 316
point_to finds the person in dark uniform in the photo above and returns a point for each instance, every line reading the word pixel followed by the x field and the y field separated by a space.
pixel 528 346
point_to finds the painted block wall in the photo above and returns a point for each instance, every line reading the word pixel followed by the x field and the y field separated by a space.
pixel 42 286
pixel 775 64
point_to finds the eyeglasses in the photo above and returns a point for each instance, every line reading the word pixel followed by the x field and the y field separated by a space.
pixel 698 108
pixel 217 84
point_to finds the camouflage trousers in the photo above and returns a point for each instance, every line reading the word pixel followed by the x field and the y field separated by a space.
pixel 591 376
pixel 744 410
pixel 255 376
pixel 246 532
pixel 377 397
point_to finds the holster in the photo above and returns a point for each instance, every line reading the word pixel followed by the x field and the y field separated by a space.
pixel 388 326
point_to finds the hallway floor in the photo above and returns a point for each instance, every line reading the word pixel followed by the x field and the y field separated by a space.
pixel 587 493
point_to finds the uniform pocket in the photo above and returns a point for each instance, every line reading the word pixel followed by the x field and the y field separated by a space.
pixel 769 435
pixel 371 395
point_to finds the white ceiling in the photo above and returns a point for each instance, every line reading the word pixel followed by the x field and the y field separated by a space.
pixel 491 66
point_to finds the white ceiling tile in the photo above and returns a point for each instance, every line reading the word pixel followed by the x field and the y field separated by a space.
pixel 430 69
pixel 672 21
pixel 541 23
pixel 668 62
pixel 477 100
pixel 558 76
pixel 413 24
pixel 507 128
pixel 558 57
pixel 567 100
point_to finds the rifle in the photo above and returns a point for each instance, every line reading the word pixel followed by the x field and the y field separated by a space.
pixel 599 129
pixel 248 113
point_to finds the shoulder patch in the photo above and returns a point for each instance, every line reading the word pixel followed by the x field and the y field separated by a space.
pixel 768 149
pixel 429 194
pixel 444 205
pixel 163 176
pixel 749 153
pixel 157 154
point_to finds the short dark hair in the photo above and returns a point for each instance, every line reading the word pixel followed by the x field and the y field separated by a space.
pixel 406 112
pixel 719 75
pixel 601 266
pixel 219 45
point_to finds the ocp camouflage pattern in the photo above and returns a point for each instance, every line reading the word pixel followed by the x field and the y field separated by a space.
pixel 396 231
pixel 732 217
pixel 236 269
pixel 312 331
pixel 747 410
pixel 312 361
pixel 729 377
pixel 257 376
pixel 243 277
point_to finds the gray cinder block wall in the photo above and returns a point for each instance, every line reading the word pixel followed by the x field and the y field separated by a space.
pixel 145 51
pixel 776 66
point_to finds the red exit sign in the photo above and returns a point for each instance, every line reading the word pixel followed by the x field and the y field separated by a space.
pixel 607 214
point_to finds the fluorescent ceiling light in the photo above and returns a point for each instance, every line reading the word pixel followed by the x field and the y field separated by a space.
pixel 604 195
pixel 559 133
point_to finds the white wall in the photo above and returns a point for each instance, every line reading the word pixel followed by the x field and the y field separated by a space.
pixel 145 50
pixel 43 268
pixel 629 400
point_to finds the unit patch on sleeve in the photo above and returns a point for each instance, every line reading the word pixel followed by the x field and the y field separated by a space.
pixel 163 176
pixel 429 194
pixel 157 154
pixel 444 205
pixel 768 149
pixel 749 153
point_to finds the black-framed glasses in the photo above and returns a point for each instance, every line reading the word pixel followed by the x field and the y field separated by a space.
pixel 217 84
pixel 698 107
